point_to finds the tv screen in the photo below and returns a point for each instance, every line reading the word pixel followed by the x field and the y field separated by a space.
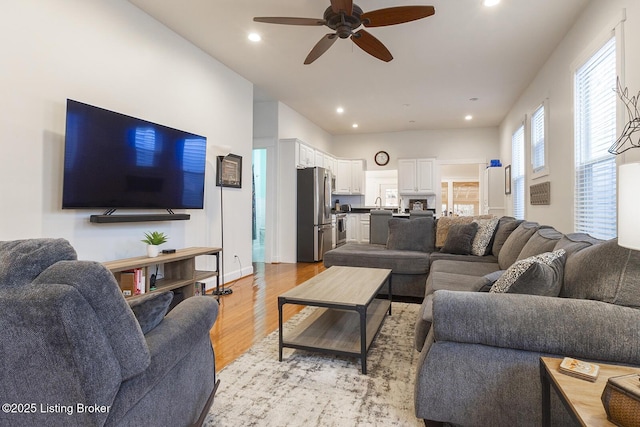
pixel 116 161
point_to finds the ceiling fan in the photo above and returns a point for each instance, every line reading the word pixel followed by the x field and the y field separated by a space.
pixel 344 18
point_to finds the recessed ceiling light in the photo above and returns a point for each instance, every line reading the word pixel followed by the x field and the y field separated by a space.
pixel 355 125
pixel 490 3
pixel 340 110
pixel 468 117
pixel 254 37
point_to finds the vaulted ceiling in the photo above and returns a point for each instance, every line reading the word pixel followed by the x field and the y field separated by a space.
pixel 467 59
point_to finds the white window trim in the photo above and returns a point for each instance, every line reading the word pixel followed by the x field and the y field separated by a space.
pixel 544 171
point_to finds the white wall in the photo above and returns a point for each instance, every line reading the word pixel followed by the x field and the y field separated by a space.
pixel 555 82
pixel 446 144
pixel 292 124
pixel 112 55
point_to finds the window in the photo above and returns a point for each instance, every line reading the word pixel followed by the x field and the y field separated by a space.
pixel 539 142
pixel 595 131
pixel 517 172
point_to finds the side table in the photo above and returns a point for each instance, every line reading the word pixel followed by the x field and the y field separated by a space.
pixel 580 397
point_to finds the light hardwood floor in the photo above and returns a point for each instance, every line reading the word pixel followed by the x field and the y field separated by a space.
pixel 251 312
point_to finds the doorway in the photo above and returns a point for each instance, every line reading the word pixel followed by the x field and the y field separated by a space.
pixel 461 184
pixel 259 205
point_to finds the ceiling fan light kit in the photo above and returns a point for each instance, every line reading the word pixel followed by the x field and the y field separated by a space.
pixel 345 18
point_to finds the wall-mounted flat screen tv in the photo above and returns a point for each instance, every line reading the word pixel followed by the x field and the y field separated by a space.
pixel 116 161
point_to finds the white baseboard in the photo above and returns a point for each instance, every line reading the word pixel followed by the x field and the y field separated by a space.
pixel 210 283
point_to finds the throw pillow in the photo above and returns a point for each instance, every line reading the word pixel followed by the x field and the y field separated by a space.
pixel 486 229
pixel 537 275
pixel 485 283
pixel 410 235
pixel 151 309
pixel 444 224
pixel 460 238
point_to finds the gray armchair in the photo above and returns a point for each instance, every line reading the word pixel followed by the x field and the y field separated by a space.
pixel 73 353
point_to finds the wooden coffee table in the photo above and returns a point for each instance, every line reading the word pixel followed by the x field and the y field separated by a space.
pixel 350 315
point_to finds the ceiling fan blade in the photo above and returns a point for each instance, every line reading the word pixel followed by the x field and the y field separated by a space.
pixel 371 45
pixel 396 15
pixel 290 21
pixel 346 5
pixel 321 47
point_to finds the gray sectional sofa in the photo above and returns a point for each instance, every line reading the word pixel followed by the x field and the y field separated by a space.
pixel 480 350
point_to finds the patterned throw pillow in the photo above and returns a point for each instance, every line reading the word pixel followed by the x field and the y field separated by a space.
pixel 486 228
pixel 537 275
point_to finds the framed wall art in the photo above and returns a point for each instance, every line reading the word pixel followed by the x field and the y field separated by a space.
pixel 229 171
pixel 507 180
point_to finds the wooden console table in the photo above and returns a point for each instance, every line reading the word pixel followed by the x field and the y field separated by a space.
pixel 180 274
pixel 580 397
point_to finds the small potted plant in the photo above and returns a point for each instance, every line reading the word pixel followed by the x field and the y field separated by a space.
pixel 153 239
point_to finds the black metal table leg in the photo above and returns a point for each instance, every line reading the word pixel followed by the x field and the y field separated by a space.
pixel 362 310
pixel 546 396
pixel 280 304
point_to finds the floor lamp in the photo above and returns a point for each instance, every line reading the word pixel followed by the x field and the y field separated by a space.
pixel 228 174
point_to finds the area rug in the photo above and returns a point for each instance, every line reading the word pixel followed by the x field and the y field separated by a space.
pixel 315 389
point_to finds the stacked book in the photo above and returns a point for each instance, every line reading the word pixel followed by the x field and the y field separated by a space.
pixel 579 369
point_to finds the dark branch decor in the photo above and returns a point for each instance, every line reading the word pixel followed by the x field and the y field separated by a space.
pixel 630 138
pixel 229 171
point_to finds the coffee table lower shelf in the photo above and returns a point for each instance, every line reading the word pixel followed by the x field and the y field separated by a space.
pixel 339 331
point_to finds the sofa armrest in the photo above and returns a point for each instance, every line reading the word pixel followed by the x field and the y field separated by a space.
pixel 188 322
pixel 183 328
pixel 572 327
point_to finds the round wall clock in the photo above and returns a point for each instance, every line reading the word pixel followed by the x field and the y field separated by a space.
pixel 381 158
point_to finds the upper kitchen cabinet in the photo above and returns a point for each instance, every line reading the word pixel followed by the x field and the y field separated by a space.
pixel 350 177
pixel 416 176
pixel 305 156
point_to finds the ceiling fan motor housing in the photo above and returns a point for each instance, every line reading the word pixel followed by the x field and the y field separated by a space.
pixel 342 23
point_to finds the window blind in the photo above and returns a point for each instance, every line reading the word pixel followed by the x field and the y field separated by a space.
pixel 537 140
pixel 595 131
pixel 517 172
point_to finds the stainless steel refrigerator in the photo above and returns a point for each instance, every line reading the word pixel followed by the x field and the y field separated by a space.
pixel 314 214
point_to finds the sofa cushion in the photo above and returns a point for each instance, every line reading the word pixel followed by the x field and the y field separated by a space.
pixel 574 242
pixel 460 238
pixel 435 256
pixel 411 235
pixel 486 229
pixel 537 275
pixel 150 309
pixel 543 240
pixel 515 242
pixel 485 283
pixel 505 227
pixel 604 272
pixel 468 268
pixel 21 261
pixel 378 256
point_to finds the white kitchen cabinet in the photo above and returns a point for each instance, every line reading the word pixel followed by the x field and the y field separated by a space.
pixel 305 156
pixel 416 176
pixel 357 176
pixel 365 222
pixel 330 163
pixel 353 228
pixel 350 177
pixel 358 227
pixel 319 159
